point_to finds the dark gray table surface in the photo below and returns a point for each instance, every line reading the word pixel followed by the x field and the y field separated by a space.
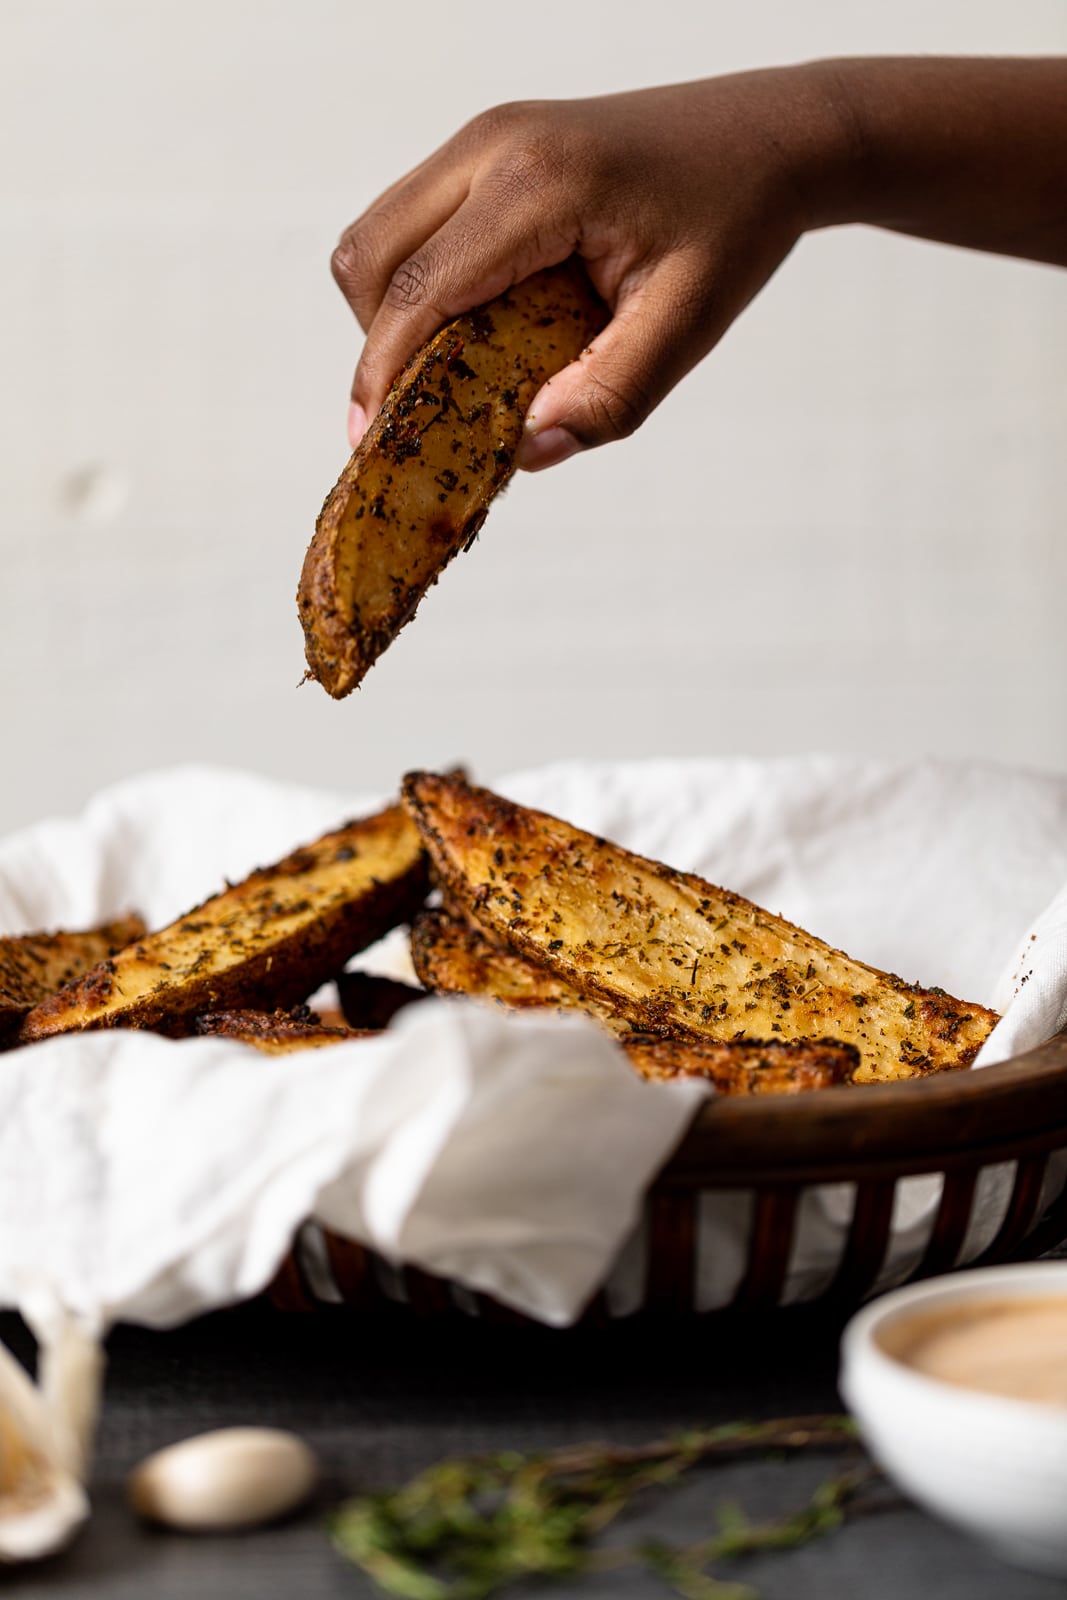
pixel 378 1399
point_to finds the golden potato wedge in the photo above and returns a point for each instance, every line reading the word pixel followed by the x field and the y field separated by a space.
pixel 276 1033
pixel 742 1066
pixel 453 957
pixel 670 952
pixel 417 489
pixel 269 941
pixel 35 965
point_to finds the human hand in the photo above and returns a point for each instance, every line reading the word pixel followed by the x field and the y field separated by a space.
pixel 682 202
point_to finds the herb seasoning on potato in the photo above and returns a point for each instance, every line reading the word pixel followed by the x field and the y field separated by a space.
pixel 417 489
pixel 668 952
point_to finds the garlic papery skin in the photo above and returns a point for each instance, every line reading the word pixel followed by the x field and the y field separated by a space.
pixel 42 1500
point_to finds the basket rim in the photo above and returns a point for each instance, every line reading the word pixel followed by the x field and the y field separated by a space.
pixel 913 1124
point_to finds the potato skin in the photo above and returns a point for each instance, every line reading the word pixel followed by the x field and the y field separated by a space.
pixel 417 489
pixel 452 957
pixel 744 1066
pixel 671 953
pixel 35 965
pixel 276 1033
pixel 265 943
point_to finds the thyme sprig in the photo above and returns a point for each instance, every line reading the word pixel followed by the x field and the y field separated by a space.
pixel 470 1526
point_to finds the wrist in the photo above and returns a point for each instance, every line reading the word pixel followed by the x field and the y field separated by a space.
pixel 830 156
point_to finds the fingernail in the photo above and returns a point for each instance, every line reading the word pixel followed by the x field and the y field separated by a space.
pixel 357 424
pixel 548 449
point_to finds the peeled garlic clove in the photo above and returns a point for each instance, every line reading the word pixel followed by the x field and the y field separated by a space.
pixel 233 1478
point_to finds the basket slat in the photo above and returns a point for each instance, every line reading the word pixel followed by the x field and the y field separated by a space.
pixel 1051 1231
pixel 769 1244
pixel 350 1266
pixel 671 1275
pixel 427 1294
pixel 1025 1197
pixel 868 1235
pixel 290 1290
pixel 950 1225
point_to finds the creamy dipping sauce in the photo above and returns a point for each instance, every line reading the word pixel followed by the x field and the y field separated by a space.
pixel 1015 1347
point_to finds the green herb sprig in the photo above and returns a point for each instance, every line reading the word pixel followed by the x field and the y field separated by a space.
pixel 470 1526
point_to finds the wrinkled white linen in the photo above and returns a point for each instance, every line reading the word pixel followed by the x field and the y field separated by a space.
pixel 149 1179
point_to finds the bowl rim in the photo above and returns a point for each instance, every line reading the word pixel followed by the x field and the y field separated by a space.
pixel 861 1349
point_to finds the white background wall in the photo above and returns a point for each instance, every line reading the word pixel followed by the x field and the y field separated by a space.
pixel 844 532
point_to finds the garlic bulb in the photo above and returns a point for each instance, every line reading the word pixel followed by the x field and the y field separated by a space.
pixel 44 1445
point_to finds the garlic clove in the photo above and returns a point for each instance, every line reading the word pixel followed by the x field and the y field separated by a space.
pixel 42 1503
pixel 232 1478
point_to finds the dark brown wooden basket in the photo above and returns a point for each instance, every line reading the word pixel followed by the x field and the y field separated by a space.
pixel 957 1125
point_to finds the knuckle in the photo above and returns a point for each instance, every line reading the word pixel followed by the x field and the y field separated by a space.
pixel 351 263
pixel 614 412
pixel 499 121
pixel 529 169
pixel 410 287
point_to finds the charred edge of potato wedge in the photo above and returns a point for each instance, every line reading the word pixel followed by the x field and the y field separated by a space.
pixel 418 487
pixel 269 941
pixel 34 965
pixel 669 951
pixel 742 1066
pixel 451 957
pixel 276 1033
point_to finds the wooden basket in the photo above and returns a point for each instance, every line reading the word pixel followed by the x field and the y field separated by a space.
pixel 956 1125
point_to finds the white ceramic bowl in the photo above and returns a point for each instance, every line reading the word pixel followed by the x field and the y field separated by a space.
pixel 993 1466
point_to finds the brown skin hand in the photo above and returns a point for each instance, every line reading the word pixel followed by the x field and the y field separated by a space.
pixel 684 200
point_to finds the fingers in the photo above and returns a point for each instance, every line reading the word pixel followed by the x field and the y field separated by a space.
pixel 371 251
pixel 409 212
pixel 493 205
pixel 663 325
pixel 474 256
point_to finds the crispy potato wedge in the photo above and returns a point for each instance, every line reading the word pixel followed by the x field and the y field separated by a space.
pixel 276 1033
pixel 742 1066
pixel 417 489
pixel 269 941
pixel 454 958
pixel 670 952
pixel 370 1001
pixel 35 965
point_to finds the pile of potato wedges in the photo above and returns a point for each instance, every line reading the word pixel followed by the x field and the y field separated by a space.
pixel 507 906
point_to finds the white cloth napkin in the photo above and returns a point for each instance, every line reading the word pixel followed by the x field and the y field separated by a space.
pixel 147 1179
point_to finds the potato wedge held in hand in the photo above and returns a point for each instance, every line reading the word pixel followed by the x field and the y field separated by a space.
pixel 670 952
pixel 417 489
pixel 453 958
pixel 35 965
pixel 269 941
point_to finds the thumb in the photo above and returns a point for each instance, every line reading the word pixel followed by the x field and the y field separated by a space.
pixel 661 328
